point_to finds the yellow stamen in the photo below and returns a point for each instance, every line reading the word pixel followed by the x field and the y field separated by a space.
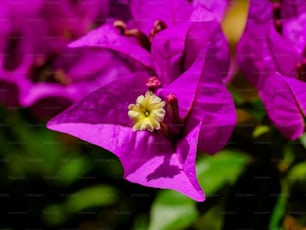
pixel 147 113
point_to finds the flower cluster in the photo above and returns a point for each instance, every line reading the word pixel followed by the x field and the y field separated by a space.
pixel 145 79
pixel 37 69
pixel 156 117
pixel 271 54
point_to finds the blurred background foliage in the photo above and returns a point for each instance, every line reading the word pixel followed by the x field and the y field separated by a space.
pixel 53 181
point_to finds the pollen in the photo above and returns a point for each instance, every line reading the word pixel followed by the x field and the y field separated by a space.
pixel 148 112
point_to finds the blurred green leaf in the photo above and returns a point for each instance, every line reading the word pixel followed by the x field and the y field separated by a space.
pixel 258 109
pixel 287 160
pixel 32 148
pixel 141 222
pixel 54 214
pixel 260 130
pixel 37 147
pixel 223 168
pixel 86 198
pixel 212 219
pixel 72 169
pixel 43 149
pixel 238 98
pixel 297 176
pixel 172 210
pixel 303 140
pixel 278 212
pixel 296 207
pixel 100 195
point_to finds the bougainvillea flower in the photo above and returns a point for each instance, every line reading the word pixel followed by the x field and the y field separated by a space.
pixel 152 120
pixel 31 67
pixel 271 54
pixel 146 12
pixel 63 21
pixel 71 75
pixel 35 63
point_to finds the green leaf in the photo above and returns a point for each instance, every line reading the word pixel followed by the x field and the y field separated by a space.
pixel 89 197
pixel 303 140
pixel 100 195
pixel 297 176
pixel 54 214
pixel 212 219
pixel 71 170
pixel 258 109
pixel 223 168
pixel 278 212
pixel 141 222
pixel 296 179
pixel 260 130
pixel 172 210
pixel 238 98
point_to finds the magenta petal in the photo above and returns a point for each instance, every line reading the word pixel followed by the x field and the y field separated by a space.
pixel 285 102
pixel 169 168
pixel 216 106
pixel 82 64
pixel 32 94
pixel 5 28
pixel 217 7
pixel 282 53
pixel 180 45
pixel 185 87
pixel 168 48
pixel 293 8
pixel 260 11
pixel 108 37
pixel 93 67
pixel 148 158
pixel 202 96
pixel 252 48
pixel 260 42
pixel 172 12
pixel 295 30
pixel 108 104
pixel 205 28
pixel 298 89
pixel 256 52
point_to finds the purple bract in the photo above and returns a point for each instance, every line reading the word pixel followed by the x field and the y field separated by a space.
pixel 272 55
pixel 154 120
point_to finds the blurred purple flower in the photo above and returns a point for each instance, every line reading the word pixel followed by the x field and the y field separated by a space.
pixel 35 64
pixel 272 55
pixel 180 99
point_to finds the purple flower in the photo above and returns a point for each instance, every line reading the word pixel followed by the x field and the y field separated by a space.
pixel 271 54
pixel 146 12
pixel 36 67
pixel 152 119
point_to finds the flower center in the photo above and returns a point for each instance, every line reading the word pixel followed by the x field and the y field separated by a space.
pixel 148 112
